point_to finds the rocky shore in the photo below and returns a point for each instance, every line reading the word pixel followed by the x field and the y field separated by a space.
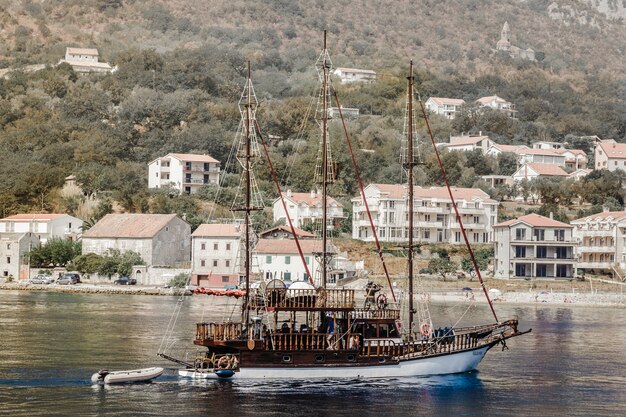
pixel 95 289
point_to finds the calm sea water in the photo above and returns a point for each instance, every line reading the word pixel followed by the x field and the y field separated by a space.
pixel 572 364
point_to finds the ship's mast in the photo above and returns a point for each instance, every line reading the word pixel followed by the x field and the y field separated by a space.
pixel 248 208
pixel 248 198
pixel 324 172
pixel 410 163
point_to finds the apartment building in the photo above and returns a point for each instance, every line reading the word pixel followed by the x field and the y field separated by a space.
pixel 601 241
pixel 534 246
pixel 215 251
pixel 184 172
pixel 434 217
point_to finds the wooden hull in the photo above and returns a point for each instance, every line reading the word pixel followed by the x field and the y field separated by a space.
pixel 449 363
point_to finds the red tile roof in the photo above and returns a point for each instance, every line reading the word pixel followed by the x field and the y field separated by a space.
pixel 466 140
pixel 441 193
pixel 129 226
pixel 546 169
pixel 309 200
pixel 616 215
pixel 534 220
pixel 187 157
pixel 449 101
pixel 218 230
pixel 613 149
pixel 299 232
pixel 44 217
pixel 287 246
pixel 509 148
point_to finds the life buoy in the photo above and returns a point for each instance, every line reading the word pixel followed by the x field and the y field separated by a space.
pixel 381 301
pixel 425 330
pixel 224 362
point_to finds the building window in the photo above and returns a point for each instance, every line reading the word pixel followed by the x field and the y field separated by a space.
pixel 203 246
pixel 228 246
pixel 225 278
pixel 215 245
pixel 542 252
pixel 8 259
pixel 540 234
pixel 520 234
pixel 561 252
pixel 520 251
pixel 202 263
pixel 227 264
pixel 287 260
pixel 476 219
pixel 542 271
pixel 426 234
pixel 559 235
pixel 215 262
pixel 307 259
pixel 287 276
pixel 392 204
pixel 392 216
pixel 520 270
pixel 457 236
pixel 427 217
pixel 561 271
pixel 268 259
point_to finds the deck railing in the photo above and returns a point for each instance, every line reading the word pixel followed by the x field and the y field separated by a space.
pixel 375 314
pixel 319 298
pixel 218 331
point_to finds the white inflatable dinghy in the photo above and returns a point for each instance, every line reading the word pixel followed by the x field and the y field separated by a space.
pixel 119 377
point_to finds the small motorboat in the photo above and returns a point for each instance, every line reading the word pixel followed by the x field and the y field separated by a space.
pixel 120 377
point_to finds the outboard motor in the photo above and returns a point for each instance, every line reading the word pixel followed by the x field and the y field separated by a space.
pixel 98 377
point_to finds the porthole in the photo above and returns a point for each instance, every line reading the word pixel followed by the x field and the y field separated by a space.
pixel 351 358
pixel 381 360
pixel 287 358
pixel 320 358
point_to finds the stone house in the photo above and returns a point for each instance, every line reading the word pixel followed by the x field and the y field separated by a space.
pixel 85 60
pixel 160 239
pixel 14 250
pixel 215 253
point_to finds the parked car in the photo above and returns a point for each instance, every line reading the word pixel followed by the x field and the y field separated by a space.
pixel 125 281
pixel 68 279
pixel 75 275
pixel 41 279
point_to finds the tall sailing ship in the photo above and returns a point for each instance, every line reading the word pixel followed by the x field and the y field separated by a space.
pixel 308 330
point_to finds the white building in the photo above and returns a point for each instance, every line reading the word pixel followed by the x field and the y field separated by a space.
pixel 280 259
pixel 498 104
pixel 610 155
pixel 346 112
pixel 215 251
pixel 306 208
pixel 530 171
pixel 469 143
pixel 446 107
pixel 540 156
pixel 355 75
pixel 534 246
pixel 44 226
pixel 184 172
pixel 496 149
pixel 14 249
pixel 548 145
pixel 434 216
pixel 160 239
pixel 601 242
pixel 85 60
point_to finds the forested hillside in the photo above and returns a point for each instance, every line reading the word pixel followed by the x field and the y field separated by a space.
pixel 180 72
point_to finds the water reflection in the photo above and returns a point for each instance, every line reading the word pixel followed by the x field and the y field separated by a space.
pixel 571 364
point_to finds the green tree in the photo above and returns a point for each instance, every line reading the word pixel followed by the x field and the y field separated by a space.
pixel 55 252
pixel 442 266
pixel 180 280
pixel 88 263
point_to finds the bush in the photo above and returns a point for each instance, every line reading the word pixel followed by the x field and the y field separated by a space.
pixel 180 281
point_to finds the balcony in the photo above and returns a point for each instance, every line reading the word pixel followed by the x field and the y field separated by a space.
pixel 594 233
pixel 532 258
pixel 475 226
pixel 421 209
pixel 597 249
pixel 551 242
pixel 595 265
pixel 472 210
pixel 195 181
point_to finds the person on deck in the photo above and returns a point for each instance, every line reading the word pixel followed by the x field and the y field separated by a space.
pixel 330 332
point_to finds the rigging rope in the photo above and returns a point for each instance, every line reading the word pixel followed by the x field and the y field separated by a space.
pixel 456 209
pixel 369 215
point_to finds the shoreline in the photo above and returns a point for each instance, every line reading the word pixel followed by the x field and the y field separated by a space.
pixel 440 295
